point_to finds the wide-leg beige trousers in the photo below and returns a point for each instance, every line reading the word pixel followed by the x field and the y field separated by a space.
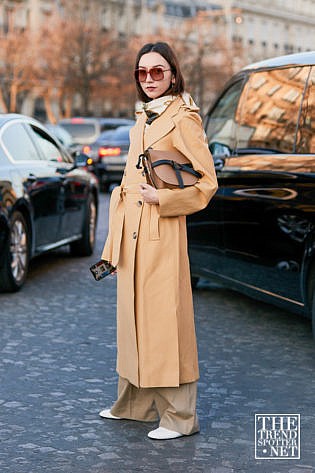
pixel 175 407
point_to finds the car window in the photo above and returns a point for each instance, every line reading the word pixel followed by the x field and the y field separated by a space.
pixel 80 130
pixel 106 135
pixel 221 125
pixel 18 143
pixel 50 150
pixel 269 109
pixel 63 136
pixel 305 142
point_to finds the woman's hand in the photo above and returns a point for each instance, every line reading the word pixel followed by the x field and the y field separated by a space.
pixel 149 194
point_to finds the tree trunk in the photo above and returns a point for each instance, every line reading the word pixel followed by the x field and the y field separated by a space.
pixel 3 105
pixel 13 97
pixel 85 95
pixel 68 107
pixel 50 114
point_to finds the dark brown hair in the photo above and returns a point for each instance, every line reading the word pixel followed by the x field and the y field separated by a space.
pixel 166 51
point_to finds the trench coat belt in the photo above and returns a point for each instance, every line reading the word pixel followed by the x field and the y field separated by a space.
pixel 130 189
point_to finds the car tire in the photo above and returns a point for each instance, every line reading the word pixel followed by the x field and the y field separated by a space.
pixel 85 246
pixel 16 256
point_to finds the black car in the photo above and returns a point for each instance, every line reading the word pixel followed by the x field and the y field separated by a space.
pixel 257 235
pixel 109 155
pixel 47 198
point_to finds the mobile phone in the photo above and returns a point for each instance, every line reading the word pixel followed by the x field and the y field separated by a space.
pixel 101 269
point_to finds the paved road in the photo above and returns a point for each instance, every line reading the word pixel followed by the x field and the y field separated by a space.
pixel 57 369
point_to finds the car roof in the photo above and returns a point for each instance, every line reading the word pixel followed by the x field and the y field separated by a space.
pixel 109 135
pixel 126 121
pixel 101 120
pixel 6 117
pixel 299 59
pixel 79 120
pixel 53 127
pixel 9 117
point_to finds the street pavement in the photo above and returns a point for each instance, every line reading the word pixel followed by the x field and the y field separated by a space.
pixel 57 370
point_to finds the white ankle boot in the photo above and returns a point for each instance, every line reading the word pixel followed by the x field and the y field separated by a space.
pixel 106 414
pixel 164 434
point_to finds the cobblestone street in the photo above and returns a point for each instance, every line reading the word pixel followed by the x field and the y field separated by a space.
pixel 57 370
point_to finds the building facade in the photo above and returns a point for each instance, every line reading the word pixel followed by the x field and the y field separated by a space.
pixel 226 33
pixel 266 28
pixel 271 27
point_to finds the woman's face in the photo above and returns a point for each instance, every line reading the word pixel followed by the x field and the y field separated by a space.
pixel 155 88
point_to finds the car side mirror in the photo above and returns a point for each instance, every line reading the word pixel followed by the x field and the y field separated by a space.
pixel 220 149
pixel 81 160
pixel 219 152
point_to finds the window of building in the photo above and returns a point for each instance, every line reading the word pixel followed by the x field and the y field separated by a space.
pixel 272 125
pixel 305 142
pixel 273 89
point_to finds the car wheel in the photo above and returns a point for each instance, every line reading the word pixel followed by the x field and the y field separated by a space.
pixel 16 257
pixel 85 246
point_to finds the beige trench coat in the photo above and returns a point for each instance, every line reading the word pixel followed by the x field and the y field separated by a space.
pixel 156 342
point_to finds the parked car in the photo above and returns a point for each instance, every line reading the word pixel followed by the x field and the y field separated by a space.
pixel 85 131
pixel 257 234
pixel 109 155
pixel 47 198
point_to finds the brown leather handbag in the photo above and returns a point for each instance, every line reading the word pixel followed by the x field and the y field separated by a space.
pixel 167 169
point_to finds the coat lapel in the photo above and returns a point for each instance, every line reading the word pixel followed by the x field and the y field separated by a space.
pixel 162 125
pixel 137 132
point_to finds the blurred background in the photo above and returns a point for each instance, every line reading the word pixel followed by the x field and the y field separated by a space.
pixel 76 57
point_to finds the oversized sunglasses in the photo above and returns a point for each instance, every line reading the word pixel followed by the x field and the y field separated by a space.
pixel 156 73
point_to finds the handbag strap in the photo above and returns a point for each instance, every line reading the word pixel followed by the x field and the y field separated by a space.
pixel 140 163
pixel 143 164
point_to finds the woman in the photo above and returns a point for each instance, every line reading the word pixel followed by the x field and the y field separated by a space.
pixel 157 354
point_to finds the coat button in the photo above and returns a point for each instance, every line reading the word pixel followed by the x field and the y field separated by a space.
pixel 134 235
pixel 139 203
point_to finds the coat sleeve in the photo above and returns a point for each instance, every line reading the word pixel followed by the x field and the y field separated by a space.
pixel 189 138
pixel 107 253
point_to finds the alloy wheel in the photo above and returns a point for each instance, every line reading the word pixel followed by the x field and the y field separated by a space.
pixel 18 250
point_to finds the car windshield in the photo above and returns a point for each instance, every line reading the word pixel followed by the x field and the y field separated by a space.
pixel 62 134
pixel 112 124
pixel 122 133
pixel 106 135
pixel 79 130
